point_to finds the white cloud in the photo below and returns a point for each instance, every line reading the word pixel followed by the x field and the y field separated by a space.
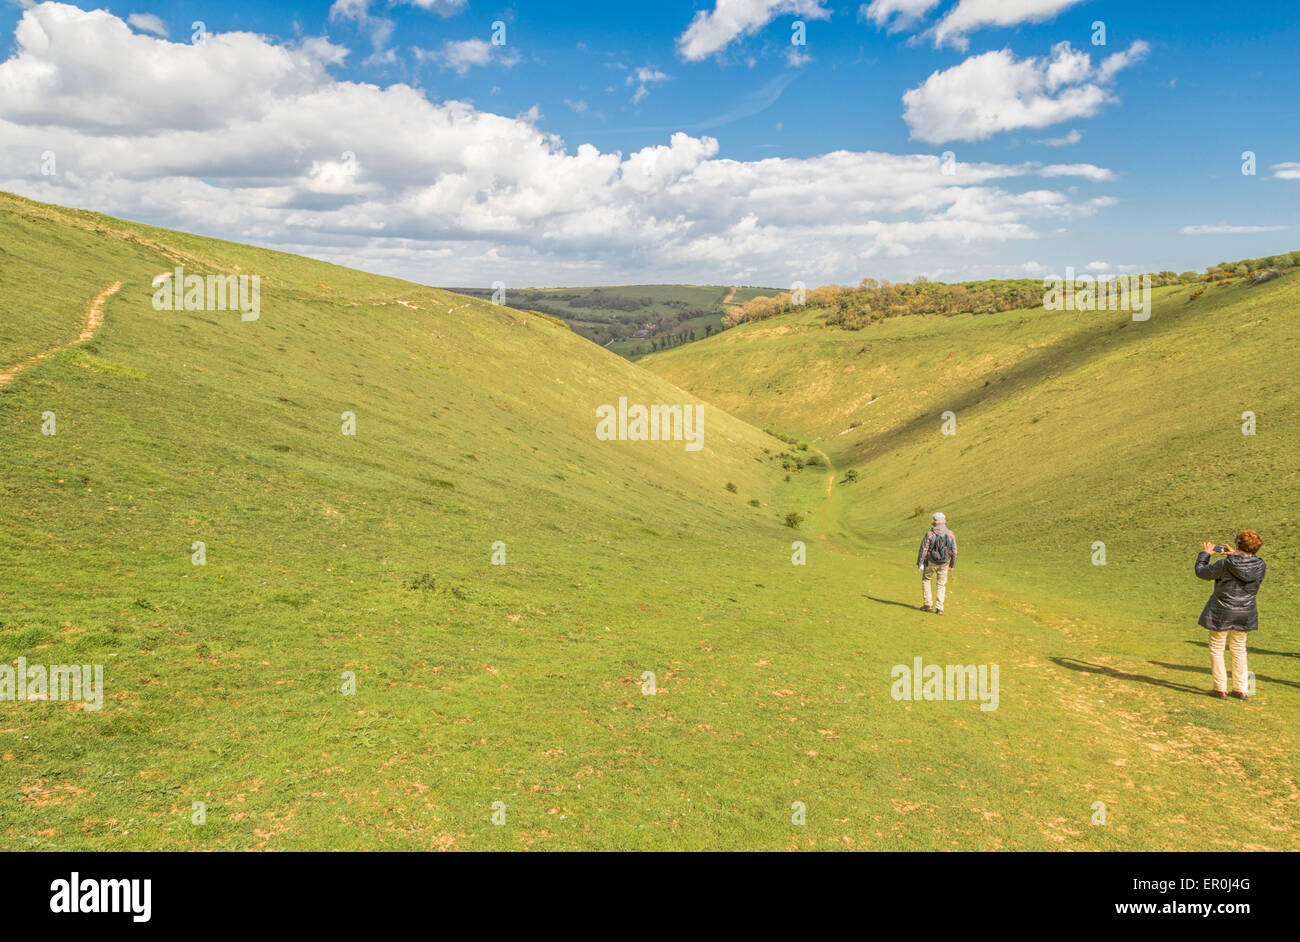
pixel 996 92
pixel 1087 171
pixel 1225 229
pixel 1114 62
pixel 250 140
pixel 905 12
pixel 643 78
pixel 381 28
pixel 464 54
pixel 1287 171
pixel 148 23
pixel 441 7
pixel 169 86
pixel 349 9
pixel 970 15
pixel 360 9
pixel 1074 137
pixel 713 30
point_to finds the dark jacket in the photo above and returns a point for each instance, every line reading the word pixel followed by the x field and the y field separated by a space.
pixel 940 531
pixel 1236 580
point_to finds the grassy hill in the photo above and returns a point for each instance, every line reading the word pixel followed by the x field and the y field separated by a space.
pixel 614 315
pixel 1071 428
pixel 523 683
pixel 475 424
pixel 1068 424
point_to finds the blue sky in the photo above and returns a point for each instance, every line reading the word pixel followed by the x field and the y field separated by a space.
pixel 751 190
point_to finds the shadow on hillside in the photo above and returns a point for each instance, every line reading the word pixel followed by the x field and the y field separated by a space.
pixel 890 602
pixel 1071 351
pixel 1206 670
pixel 1074 664
pixel 1251 649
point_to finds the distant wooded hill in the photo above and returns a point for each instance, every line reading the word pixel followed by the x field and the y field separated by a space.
pixel 633 320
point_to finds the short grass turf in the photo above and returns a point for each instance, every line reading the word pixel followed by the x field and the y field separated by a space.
pixel 522 684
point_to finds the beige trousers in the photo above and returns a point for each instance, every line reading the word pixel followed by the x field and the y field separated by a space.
pixel 939 571
pixel 1236 641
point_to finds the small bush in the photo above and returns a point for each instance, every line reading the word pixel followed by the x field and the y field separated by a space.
pixel 731 487
pixel 850 475
pixel 421 581
pixel 793 519
pixel 918 510
pixel 755 503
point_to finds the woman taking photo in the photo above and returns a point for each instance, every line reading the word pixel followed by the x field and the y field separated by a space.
pixel 1231 611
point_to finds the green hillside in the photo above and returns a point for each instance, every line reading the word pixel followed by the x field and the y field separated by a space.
pixel 524 683
pixel 1071 428
pixel 475 424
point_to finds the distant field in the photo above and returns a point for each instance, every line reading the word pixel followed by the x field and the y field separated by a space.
pixel 611 316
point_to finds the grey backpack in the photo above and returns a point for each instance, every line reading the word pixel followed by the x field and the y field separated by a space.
pixel 940 549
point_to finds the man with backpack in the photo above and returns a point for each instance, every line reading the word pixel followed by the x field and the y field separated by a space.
pixel 937 555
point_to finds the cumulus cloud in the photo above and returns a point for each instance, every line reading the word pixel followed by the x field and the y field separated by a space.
pixel 1065 140
pixel 360 9
pixel 643 78
pixel 148 23
pixel 256 141
pixel 441 7
pixel 903 12
pixel 795 57
pixel 462 55
pixel 995 92
pixel 1225 229
pixel 380 28
pixel 1287 171
pixel 1087 171
pixel 970 15
pixel 713 30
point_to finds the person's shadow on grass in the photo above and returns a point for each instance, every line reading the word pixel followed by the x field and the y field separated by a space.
pixel 1074 664
pixel 1252 649
pixel 1206 670
pixel 889 602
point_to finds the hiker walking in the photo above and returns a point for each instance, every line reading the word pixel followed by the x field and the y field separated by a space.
pixel 1231 611
pixel 937 555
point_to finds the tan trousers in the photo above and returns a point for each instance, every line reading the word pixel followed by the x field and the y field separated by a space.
pixel 939 571
pixel 1236 641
